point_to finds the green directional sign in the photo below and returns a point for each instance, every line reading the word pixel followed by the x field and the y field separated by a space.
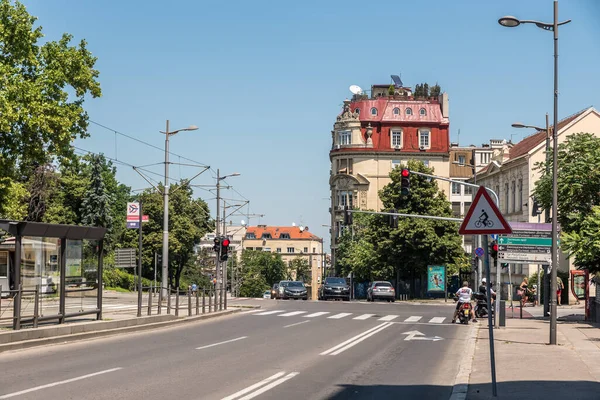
pixel 525 241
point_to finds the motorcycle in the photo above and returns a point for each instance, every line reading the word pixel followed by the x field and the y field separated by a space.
pixel 481 308
pixel 464 312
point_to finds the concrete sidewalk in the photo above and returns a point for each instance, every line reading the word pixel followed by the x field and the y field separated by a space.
pixel 528 368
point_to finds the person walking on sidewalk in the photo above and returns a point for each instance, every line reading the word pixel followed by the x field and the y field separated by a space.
pixel 559 288
pixel 523 289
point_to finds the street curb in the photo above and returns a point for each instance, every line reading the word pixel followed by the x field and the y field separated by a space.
pixel 461 382
pixel 25 344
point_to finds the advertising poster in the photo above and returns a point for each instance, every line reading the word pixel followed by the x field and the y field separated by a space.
pixel 74 257
pixel 436 279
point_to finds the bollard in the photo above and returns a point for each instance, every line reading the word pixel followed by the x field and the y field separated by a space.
pixel 160 301
pixel 189 302
pixel 209 301
pixel 203 301
pixel 36 306
pixel 502 315
pixel 197 302
pixel 150 301
pixel 521 308
pixel 177 303
pixel 169 300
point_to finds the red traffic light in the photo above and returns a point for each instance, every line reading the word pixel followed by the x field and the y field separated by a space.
pixel 405 173
pixel 225 242
pixel 495 247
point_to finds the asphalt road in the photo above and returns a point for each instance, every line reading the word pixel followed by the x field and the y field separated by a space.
pixel 286 350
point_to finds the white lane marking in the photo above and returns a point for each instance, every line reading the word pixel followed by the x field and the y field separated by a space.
pixel 251 311
pixel 413 319
pixel 335 353
pixel 388 318
pixel 340 315
pixel 317 314
pixel 269 386
pixel 437 320
pixel 255 386
pixel 216 344
pixel 297 323
pixel 49 385
pixel 334 348
pixel 364 316
pixel 291 314
pixel 270 312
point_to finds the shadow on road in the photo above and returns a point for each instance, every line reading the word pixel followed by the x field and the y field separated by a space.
pixel 530 390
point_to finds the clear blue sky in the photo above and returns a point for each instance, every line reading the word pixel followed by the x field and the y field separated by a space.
pixel 264 80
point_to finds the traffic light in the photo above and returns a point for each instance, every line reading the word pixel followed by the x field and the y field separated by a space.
pixel 217 245
pixel 405 183
pixel 504 265
pixel 474 262
pixel 347 216
pixel 224 249
pixel 494 250
pixel 393 219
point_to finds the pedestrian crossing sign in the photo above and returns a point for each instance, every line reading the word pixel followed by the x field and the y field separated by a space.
pixel 484 217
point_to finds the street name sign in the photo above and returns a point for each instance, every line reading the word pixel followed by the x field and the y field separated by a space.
pixel 484 217
pixel 528 243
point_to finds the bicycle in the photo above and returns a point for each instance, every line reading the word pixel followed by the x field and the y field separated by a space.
pixel 488 223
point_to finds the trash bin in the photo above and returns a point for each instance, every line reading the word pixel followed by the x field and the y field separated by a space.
pixel 502 313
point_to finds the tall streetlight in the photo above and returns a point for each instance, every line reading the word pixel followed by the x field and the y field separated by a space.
pixel 511 22
pixel 218 261
pixel 165 244
pixel 547 211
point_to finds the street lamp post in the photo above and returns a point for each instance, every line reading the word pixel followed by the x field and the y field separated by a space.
pixel 165 243
pixel 511 22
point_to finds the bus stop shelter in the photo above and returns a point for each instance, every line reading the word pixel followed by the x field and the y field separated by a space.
pixel 58 261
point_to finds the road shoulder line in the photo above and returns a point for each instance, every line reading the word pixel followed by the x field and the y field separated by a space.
pixel 461 382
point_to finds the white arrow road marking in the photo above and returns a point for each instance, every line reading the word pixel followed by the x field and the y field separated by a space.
pixel 355 340
pixel 49 385
pixel 416 335
pixel 216 344
pixel 267 384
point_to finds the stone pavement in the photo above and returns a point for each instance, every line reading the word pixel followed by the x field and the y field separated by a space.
pixel 527 367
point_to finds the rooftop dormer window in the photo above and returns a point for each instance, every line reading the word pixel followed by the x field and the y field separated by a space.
pixel 409 111
pixel 250 235
pixel 373 111
pixel 266 236
pixel 423 112
pixel 396 111
pixel 344 137
pixel 284 236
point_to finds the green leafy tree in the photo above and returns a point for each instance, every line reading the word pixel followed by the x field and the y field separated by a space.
pixel 578 187
pixel 41 97
pixel 259 270
pixel 299 269
pixel 40 187
pixel 435 90
pixel 391 90
pixel 426 90
pixel 15 206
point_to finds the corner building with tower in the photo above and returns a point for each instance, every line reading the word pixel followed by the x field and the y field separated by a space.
pixel 377 132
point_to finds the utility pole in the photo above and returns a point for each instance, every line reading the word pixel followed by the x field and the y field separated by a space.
pixel 165 244
pixel 217 231
pixel 225 264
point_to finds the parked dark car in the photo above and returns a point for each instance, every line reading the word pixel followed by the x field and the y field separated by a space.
pixel 334 288
pixel 295 290
pixel 381 290
pixel 275 291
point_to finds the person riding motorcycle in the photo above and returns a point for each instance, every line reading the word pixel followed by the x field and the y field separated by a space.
pixel 483 289
pixel 464 296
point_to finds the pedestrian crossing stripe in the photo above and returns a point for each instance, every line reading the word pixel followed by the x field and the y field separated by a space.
pixel 362 317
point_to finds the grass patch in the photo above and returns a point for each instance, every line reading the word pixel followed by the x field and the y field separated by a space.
pixel 118 289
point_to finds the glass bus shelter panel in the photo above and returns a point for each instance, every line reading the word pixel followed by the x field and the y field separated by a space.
pixel 81 278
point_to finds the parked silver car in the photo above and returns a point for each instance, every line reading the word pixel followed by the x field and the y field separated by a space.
pixel 382 290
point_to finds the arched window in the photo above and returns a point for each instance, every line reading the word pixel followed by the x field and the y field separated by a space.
pixel 396 111
pixel 373 111
pixel 357 110
pixel 409 111
pixel 423 112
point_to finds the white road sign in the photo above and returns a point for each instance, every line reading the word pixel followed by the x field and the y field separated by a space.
pixel 133 209
pixel 484 217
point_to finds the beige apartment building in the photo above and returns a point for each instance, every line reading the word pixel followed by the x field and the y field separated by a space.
pixel 290 242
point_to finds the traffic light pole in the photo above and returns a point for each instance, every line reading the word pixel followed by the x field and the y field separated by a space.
pixel 225 263
pixel 217 231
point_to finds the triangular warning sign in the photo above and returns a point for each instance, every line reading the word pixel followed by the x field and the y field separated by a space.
pixel 484 217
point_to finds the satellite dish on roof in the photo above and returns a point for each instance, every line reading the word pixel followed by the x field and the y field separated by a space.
pixel 301 228
pixel 293 224
pixel 356 89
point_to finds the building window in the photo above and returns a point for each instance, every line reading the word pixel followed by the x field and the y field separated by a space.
pixel 455 188
pixel 426 163
pixel 344 137
pixel 514 196
pixel 267 249
pixel 250 235
pixel 422 112
pixel 306 249
pixel 506 197
pixel 314 249
pixel 396 111
pixel 462 160
pixel 468 189
pixel 266 236
pixel 520 195
pixel 345 198
pixel 409 111
pixel 397 138
pixel 467 206
pixel 279 249
pixel 290 249
pixel 424 139
pixel 357 110
pixel 249 248
pixel 344 166
pixel 373 111
pixel 456 208
pixel 284 236
pixel 395 163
